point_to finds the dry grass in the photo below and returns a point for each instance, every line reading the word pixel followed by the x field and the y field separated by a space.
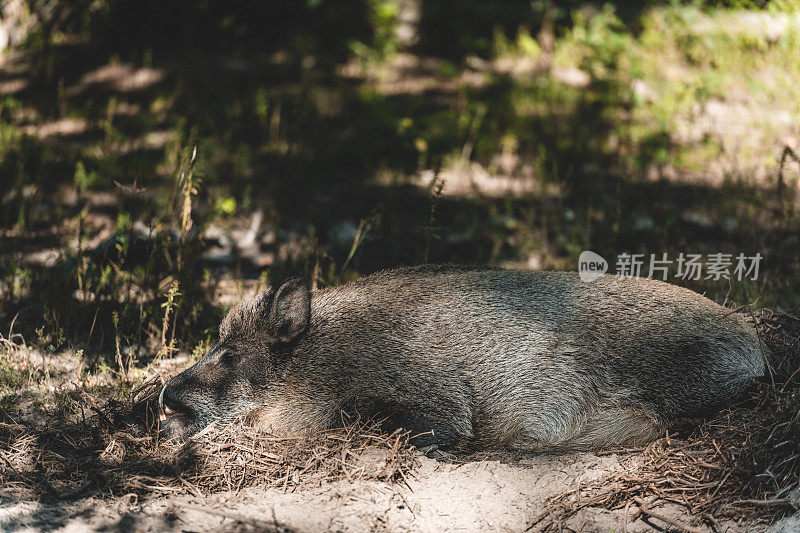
pixel 742 464
pixel 118 451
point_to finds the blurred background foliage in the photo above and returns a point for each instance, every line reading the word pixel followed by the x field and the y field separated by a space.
pixel 160 160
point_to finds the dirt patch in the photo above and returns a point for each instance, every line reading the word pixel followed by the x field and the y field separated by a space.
pixel 480 495
pixel 488 495
pixel 340 481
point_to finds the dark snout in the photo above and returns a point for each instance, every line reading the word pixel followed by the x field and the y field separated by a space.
pixel 174 417
pixel 182 408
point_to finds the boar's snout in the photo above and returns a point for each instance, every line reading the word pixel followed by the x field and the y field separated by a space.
pixel 178 414
pixel 186 402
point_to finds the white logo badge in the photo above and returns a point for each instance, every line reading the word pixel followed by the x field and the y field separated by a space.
pixel 591 266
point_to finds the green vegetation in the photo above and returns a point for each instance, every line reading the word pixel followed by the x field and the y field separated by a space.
pixel 159 162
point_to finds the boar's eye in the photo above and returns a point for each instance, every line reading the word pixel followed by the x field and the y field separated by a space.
pixel 228 356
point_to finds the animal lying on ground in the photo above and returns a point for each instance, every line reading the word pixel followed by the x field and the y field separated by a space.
pixel 471 357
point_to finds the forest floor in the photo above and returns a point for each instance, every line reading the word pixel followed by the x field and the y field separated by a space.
pixel 492 491
pixel 488 495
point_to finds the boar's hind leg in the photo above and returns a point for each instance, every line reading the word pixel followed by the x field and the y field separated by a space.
pixel 612 427
pixel 608 427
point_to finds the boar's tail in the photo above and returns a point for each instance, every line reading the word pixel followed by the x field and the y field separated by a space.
pixel 780 334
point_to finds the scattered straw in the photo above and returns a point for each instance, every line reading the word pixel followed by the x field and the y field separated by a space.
pixel 109 454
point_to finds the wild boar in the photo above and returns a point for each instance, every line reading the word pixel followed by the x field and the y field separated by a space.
pixel 472 357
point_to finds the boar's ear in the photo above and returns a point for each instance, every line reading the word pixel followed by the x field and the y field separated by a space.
pixel 290 311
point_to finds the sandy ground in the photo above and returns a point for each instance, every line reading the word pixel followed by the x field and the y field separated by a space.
pixel 500 493
pixel 487 495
